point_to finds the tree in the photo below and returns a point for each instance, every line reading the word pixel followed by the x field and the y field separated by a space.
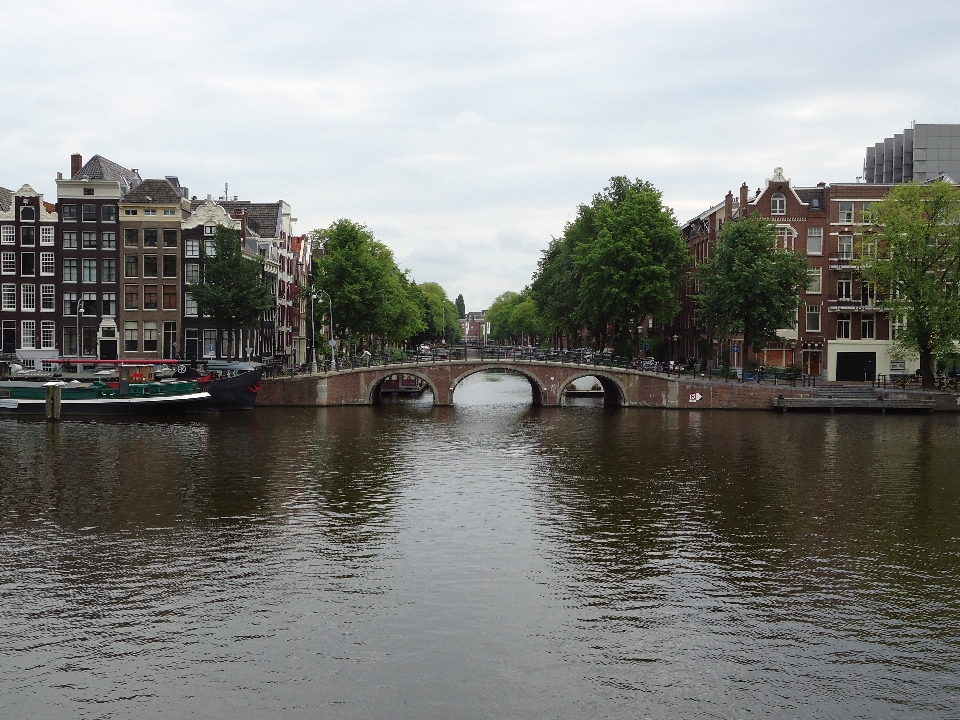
pixel 750 286
pixel 500 313
pixel 232 290
pixel 912 256
pixel 439 315
pixel 372 298
pixel 461 307
pixel 619 261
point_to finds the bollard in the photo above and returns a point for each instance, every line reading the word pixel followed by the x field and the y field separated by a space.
pixel 53 395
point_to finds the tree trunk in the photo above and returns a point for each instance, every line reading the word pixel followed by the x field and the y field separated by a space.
pixel 230 344
pixel 927 369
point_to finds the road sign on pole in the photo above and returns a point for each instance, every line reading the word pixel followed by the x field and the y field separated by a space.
pixel 735 348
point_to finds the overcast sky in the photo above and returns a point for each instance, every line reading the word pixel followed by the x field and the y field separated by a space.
pixel 466 134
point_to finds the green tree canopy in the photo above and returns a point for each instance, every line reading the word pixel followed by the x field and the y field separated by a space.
pixel 912 256
pixel 439 315
pixel 499 314
pixel 750 286
pixel 232 290
pixel 372 297
pixel 619 261
pixel 461 307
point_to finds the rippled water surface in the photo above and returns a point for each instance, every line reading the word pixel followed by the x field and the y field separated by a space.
pixel 491 560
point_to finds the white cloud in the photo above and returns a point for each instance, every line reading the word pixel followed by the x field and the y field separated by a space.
pixel 465 135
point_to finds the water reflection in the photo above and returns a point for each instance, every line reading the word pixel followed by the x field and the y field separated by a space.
pixel 487 559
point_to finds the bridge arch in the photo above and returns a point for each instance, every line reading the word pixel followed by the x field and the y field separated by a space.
pixel 540 393
pixel 613 391
pixel 373 393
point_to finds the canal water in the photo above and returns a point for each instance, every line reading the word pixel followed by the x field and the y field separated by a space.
pixel 489 560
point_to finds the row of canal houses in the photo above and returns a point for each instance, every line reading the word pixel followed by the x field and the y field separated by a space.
pixel 105 272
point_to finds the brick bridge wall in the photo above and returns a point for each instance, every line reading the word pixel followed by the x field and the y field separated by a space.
pixel 630 388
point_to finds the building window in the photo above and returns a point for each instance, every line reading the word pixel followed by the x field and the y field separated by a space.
pixel 150 266
pixel 89 241
pixel 209 249
pixel 70 303
pixel 8 263
pixel 70 340
pixel 189 305
pixel 28 235
pixel 109 303
pixel 169 266
pixel 8 235
pixel 150 213
pixel 28 331
pixel 191 273
pixel 209 229
pixel 28 214
pixel 48 264
pixel 89 270
pixel 131 238
pixel 169 238
pixel 48 298
pixel 170 339
pixel 845 247
pixel 868 292
pixel 150 237
pixel 843 326
pixel 88 191
pixel 784 240
pixel 150 337
pixel 70 240
pixel 48 330
pixel 149 297
pixel 89 304
pixel 815 280
pixel 68 213
pixel 131 341
pixel 814 241
pixel 46 235
pixel 28 264
pixel 169 213
pixel 108 213
pixel 9 297
pixel 896 325
pixel 778 204
pixel 108 241
pixel 69 270
pixel 868 327
pixel 209 343
pixel 89 213
pixel 846 212
pixel 131 265
pixel 192 248
pixel 28 297
pixel 169 297
pixel 844 285
pixel 108 269
pixel 131 297
pixel 128 211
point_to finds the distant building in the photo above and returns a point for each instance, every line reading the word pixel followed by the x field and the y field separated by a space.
pixel 920 153
pixel 474 327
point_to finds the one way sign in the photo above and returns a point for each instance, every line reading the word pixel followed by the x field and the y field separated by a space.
pixel 695 397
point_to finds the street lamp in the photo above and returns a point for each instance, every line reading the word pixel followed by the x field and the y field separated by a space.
pixel 313 330
pixel 79 317
pixel 333 358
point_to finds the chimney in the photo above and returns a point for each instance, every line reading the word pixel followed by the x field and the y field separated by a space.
pixel 728 206
pixel 743 200
pixel 76 162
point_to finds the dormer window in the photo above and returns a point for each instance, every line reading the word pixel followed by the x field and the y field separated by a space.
pixel 209 229
pixel 28 214
pixel 778 204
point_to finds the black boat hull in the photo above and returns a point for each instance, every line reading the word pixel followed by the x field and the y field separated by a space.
pixel 234 393
pixel 131 406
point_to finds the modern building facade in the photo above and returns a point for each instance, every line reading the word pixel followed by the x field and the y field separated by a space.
pixel 920 153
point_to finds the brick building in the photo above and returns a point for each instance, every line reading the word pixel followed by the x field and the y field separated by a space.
pixel 840 334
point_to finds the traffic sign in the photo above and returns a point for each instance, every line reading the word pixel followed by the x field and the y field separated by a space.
pixel 736 348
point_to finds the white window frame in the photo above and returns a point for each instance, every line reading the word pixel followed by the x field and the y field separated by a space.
pixel 843 321
pixel 813 311
pixel 815 232
pixel 8 263
pixel 48 334
pixel 844 213
pixel 48 263
pixel 9 297
pixel 778 204
pixel 31 334
pixel 191 248
pixel 28 297
pixel 845 281
pixel 88 264
pixel 190 307
pixel 8 235
pixel 46 234
pixel 845 247
pixel 868 326
pixel 48 298
pixel 815 281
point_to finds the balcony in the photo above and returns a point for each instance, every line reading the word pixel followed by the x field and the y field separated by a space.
pixel 842 260
pixel 857 302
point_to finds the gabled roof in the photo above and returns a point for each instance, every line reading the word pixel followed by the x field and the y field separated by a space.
pixel 807 195
pixel 99 168
pixel 6 198
pixel 264 219
pixel 153 191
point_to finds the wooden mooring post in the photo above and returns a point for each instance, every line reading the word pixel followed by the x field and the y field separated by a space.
pixel 53 396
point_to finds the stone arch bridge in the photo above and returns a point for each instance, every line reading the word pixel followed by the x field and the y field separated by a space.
pixel 548 380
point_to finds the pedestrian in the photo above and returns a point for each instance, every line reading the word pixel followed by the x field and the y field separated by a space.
pixel 760 372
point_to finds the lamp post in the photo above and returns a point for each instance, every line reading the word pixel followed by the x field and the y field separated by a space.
pixel 79 318
pixel 313 331
pixel 333 358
